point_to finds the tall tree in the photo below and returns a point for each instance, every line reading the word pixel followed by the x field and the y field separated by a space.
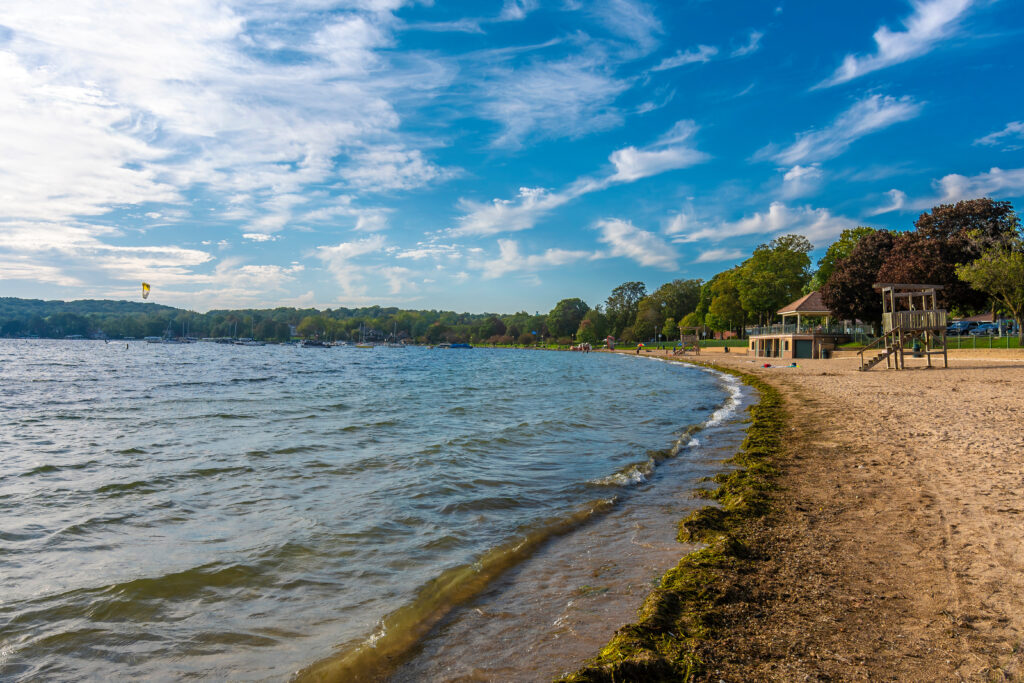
pixel 999 272
pixel 677 298
pixel 773 276
pixel 621 306
pixel 848 292
pixel 946 237
pixel 835 253
pixel 565 317
pixel 725 311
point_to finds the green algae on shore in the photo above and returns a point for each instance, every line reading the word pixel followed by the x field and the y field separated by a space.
pixel 681 614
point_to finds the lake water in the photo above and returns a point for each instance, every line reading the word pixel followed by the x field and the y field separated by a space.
pixel 212 511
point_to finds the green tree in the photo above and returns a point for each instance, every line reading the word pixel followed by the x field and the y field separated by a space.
pixel 670 329
pixel 565 317
pixel 836 252
pixel 773 276
pixel 999 272
pixel 621 306
pixel 848 292
pixel 598 320
pixel 677 298
pixel 726 311
pixel 586 332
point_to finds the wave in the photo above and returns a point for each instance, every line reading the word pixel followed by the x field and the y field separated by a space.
pixel 399 631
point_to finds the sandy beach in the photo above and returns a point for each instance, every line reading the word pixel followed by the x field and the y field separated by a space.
pixel 896 547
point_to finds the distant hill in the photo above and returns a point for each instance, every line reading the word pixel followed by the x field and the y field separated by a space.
pixel 11 307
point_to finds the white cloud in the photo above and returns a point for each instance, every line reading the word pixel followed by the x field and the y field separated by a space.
pixel 1010 137
pixel 817 225
pixel 715 255
pixel 869 115
pixel 954 187
pixel 702 54
pixel 510 260
pixel 105 108
pixel 568 98
pixel 371 221
pixel 506 215
pixel 752 46
pixel 630 19
pixel 897 200
pixel 423 251
pixel 671 151
pixel 931 21
pixel 516 10
pixel 339 262
pixel 259 236
pixel 800 181
pixel 382 169
pixel 629 241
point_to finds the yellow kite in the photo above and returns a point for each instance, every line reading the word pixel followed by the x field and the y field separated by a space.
pixel 145 290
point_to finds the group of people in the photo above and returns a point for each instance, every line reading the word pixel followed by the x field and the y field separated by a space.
pixel 584 347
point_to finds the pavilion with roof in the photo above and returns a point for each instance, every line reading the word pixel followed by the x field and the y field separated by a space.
pixel 807 331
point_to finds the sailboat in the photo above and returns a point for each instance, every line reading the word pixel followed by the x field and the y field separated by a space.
pixel 393 344
pixel 362 339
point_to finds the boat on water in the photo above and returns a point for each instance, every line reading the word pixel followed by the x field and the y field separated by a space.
pixel 457 345
pixel 362 343
pixel 313 343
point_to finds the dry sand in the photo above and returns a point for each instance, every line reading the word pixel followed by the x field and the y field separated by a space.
pixel 897 548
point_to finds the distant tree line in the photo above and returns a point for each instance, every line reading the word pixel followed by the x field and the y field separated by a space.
pixel 973 248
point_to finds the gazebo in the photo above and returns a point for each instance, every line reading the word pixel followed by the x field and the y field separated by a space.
pixel 794 338
pixel 810 306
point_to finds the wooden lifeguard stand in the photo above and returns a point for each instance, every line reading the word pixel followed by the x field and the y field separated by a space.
pixel 910 317
pixel 689 341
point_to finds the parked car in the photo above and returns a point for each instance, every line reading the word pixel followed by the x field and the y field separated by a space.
pixel 960 327
pixel 986 330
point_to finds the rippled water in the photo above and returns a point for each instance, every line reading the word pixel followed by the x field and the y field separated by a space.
pixel 246 512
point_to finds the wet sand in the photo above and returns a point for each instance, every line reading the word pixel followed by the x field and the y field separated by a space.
pixel 896 551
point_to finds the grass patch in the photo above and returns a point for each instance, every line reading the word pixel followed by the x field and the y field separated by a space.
pixel 684 610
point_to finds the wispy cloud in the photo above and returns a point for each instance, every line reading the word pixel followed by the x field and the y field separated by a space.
pixel 510 260
pixel 104 109
pixel 715 255
pixel 753 45
pixel 954 187
pixel 817 224
pixel 800 181
pixel 671 151
pixel 930 22
pixel 339 260
pixel 869 115
pixel 701 54
pixel 897 200
pixel 553 99
pixel 646 248
pixel 1011 138
pixel 630 19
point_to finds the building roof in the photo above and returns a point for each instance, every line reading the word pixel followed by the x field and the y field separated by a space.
pixel 807 305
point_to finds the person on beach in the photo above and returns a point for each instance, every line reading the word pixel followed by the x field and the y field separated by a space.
pixel 639 347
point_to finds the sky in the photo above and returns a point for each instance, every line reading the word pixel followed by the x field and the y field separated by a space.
pixel 484 155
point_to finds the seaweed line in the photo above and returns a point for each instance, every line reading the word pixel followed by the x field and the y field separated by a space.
pixel 677 623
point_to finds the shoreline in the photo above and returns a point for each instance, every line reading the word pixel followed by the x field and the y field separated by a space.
pixel 892 547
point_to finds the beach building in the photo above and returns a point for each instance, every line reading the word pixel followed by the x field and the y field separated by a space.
pixel 807 330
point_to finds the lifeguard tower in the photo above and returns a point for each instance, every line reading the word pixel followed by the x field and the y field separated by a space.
pixel 911 318
pixel 689 341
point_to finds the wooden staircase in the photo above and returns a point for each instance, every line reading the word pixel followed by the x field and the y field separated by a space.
pixel 866 365
pixel 892 341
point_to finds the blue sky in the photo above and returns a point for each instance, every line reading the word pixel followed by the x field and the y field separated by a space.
pixel 480 156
